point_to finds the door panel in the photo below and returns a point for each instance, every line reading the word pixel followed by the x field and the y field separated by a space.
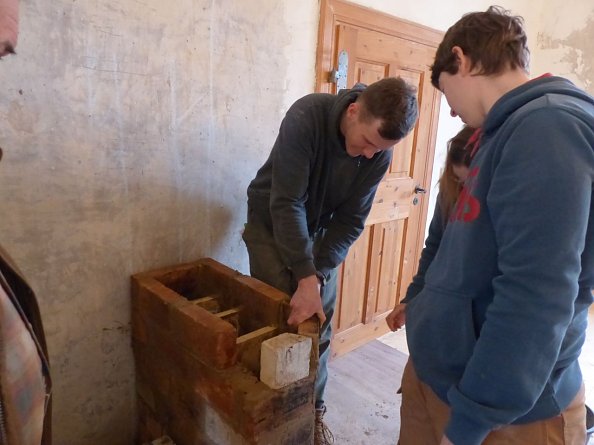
pixel 392 200
pixel 381 263
pixel 369 73
pixel 353 282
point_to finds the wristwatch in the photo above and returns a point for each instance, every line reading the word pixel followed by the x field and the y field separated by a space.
pixel 321 278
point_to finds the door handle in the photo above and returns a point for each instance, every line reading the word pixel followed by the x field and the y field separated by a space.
pixel 420 190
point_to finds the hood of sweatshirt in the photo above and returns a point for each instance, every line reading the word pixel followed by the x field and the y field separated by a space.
pixel 546 88
pixel 343 99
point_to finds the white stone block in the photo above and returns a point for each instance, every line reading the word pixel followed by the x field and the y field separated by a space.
pixel 284 359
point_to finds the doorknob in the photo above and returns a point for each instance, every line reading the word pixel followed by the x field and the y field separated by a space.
pixel 419 189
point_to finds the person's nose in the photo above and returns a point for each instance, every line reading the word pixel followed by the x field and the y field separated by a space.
pixel 369 152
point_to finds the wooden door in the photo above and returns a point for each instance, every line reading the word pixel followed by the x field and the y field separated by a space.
pixel 382 262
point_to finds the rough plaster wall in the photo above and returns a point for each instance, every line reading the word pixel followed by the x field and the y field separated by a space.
pixel 565 42
pixel 130 131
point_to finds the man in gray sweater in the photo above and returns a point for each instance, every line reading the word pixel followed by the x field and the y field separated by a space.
pixel 309 201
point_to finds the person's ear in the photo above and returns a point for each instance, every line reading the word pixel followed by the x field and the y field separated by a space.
pixel 464 62
pixel 353 109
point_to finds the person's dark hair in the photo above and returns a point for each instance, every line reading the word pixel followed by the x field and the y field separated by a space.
pixel 394 102
pixel 494 41
pixel 449 185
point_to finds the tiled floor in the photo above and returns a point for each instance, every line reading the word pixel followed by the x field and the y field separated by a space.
pixel 397 340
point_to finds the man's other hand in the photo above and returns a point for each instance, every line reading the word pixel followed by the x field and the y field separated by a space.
pixel 306 301
pixel 397 317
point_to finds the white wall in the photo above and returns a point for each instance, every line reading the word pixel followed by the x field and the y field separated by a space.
pixel 130 132
pixel 565 41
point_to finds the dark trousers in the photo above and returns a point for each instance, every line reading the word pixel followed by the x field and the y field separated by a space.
pixel 267 265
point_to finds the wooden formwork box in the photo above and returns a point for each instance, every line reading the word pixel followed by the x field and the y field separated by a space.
pixel 197 329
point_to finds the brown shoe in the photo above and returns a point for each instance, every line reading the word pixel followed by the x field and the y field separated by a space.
pixel 322 434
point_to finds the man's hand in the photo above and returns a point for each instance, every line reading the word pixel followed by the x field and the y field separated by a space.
pixel 397 317
pixel 306 301
pixel 445 441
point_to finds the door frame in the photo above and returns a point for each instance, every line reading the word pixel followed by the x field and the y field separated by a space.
pixel 335 12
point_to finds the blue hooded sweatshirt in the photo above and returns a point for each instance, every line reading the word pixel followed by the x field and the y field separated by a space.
pixel 498 327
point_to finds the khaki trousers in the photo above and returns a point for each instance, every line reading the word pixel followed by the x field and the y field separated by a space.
pixel 424 416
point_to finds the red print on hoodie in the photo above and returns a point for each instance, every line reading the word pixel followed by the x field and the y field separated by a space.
pixel 467 207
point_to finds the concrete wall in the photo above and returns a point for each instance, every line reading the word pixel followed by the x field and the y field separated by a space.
pixel 130 131
pixel 565 41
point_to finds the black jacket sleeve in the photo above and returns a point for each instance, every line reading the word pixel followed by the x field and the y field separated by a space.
pixel 293 154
